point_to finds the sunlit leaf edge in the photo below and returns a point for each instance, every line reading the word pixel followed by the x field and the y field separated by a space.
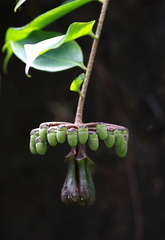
pixel 19 3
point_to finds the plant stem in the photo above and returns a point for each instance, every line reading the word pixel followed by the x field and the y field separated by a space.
pixel 80 106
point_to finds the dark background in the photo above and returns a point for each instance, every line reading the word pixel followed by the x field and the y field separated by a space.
pixel 127 87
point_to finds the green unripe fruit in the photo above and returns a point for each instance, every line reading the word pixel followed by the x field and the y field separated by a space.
pixel 51 136
pixel 33 134
pixel 101 131
pixel 126 134
pixel 110 140
pixel 93 141
pixel 41 147
pixel 61 134
pixel 118 137
pixel 82 134
pixel 32 139
pixel 43 132
pixel 122 149
pixel 72 137
pixel 32 149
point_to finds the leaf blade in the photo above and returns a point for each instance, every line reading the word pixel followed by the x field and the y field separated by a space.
pixel 67 56
pixel 74 31
pixel 43 20
pixel 77 82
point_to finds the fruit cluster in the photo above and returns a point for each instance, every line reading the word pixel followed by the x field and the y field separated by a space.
pixel 78 186
pixel 59 132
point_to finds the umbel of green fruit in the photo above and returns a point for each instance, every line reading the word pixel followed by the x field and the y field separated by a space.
pixel 52 132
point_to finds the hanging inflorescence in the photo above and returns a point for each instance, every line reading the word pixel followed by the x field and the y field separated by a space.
pixel 78 186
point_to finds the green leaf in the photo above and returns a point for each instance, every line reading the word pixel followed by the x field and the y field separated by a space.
pixel 74 31
pixel 19 3
pixel 67 56
pixel 40 22
pixel 77 82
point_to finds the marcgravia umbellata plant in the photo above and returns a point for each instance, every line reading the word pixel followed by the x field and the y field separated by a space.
pixel 53 52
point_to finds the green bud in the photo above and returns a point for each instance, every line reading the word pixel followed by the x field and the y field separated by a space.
pixel 101 131
pixel 82 134
pixel 72 137
pixel 51 136
pixel 41 147
pixel 123 146
pixel 43 132
pixel 118 137
pixel 126 134
pixel 61 134
pixel 32 149
pixel 110 140
pixel 122 149
pixel 32 140
pixel 33 134
pixel 93 141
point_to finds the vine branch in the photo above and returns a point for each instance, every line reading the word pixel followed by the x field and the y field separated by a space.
pixel 80 106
